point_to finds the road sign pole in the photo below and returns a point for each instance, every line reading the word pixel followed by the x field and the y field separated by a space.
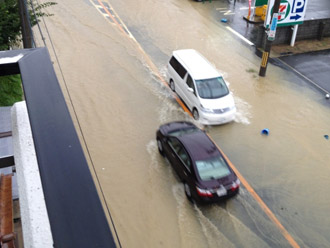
pixel 294 35
pixel 266 52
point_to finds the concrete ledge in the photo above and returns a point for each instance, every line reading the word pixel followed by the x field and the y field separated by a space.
pixel 310 29
pixel 35 222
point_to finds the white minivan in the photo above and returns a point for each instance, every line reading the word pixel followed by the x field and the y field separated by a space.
pixel 201 87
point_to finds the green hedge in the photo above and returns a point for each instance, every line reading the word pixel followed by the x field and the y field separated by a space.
pixel 10 90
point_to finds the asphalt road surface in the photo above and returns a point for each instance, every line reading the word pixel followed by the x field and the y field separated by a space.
pixel 110 58
pixel 314 67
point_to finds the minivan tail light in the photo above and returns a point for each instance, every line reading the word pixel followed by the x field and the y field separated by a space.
pixel 204 192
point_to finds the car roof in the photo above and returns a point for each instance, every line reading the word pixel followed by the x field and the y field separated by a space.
pixel 196 64
pixel 199 145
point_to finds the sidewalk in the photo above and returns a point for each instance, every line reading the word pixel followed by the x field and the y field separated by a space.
pixel 303 46
pixel 307 58
pixel 234 14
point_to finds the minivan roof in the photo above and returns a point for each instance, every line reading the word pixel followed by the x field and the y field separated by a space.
pixel 197 66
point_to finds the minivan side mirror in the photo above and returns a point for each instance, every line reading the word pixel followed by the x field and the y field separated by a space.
pixel 190 90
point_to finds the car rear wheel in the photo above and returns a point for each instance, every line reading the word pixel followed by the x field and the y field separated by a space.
pixel 195 114
pixel 172 86
pixel 187 191
pixel 160 147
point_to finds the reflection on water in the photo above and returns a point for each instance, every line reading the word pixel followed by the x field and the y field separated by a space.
pixel 120 103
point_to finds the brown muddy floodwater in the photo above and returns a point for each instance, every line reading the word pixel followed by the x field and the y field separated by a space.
pixel 120 102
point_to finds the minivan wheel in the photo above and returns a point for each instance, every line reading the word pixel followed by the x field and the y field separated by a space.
pixel 187 191
pixel 195 114
pixel 172 86
pixel 160 147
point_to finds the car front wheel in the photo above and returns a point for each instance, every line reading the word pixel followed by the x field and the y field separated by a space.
pixel 172 86
pixel 160 147
pixel 195 114
pixel 187 191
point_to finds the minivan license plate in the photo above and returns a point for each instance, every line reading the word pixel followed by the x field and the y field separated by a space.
pixel 221 192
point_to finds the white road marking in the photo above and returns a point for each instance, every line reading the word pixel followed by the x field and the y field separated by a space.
pixel 302 75
pixel 113 16
pixel 229 13
pixel 240 36
pixel 243 8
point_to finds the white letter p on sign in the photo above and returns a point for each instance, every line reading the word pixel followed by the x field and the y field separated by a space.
pixel 298 6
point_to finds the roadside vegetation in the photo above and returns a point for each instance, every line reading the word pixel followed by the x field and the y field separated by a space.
pixel 10 37
pixel 10 90
pixel 10 23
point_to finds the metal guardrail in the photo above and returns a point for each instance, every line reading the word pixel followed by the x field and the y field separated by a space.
pixel 7 161
pixel 75 211
pixel 5 134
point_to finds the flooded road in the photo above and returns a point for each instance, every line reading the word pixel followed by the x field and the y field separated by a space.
pixel 117 100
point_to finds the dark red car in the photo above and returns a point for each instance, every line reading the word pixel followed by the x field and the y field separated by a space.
pixel 205 173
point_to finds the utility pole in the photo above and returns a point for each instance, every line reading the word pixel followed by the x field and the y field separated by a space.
pixel 270 38
pixel 25 24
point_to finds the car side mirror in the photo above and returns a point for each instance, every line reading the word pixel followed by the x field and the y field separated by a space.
pixel 190 90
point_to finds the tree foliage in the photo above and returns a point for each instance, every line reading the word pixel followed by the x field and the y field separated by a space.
pixel 37 11
pixel 10 90
pixel 10 24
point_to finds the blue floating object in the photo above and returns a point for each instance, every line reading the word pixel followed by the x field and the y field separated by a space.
pixel 326 136
pixel 265 131
pixel 224 20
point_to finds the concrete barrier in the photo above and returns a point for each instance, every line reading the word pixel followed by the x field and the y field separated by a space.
pixel 309 30
pixel 35 221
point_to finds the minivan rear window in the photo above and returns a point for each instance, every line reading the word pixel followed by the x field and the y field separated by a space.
pixel 178 67
pixel 212 88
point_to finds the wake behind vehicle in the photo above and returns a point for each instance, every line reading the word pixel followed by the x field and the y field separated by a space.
pixel 201 87
pixel 204 171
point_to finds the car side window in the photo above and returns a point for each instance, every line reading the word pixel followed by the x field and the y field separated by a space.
pixel 185 158
pixel 175 144
pixel 179 149
pixel 178 67
pixel 190 83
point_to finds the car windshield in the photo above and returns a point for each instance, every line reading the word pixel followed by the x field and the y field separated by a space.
pixel 212 88
pixel 213 168
pixel 180 132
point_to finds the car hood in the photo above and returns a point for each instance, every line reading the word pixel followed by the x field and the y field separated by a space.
pixel 218 103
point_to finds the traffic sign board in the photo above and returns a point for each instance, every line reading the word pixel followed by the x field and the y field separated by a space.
pixel 291 12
